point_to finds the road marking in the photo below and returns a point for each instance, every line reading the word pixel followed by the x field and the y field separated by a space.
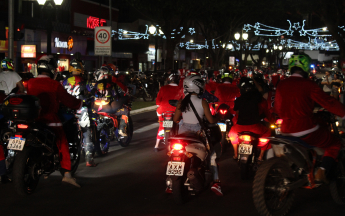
pixel 147 128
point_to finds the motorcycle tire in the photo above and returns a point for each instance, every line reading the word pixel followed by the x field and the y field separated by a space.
pixel 244 168
pixel 337 185
pixel 125 142
pixel 25 179
pixel 270 176
pixel 178 190
pixel 75 152
pixel 149 98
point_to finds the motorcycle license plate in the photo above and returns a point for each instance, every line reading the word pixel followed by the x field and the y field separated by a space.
pixel 168 124
pixel 16 143
pixel 278 131
pixel 222 127
pixel 245 149
pixel 175 168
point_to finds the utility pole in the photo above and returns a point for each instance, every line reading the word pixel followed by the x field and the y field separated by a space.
pixel 110 23
pixel 11 29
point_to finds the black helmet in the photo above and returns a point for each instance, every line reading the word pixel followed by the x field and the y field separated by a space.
pixel 47 64
pixel 246 85
pixel 173 78
pixel 76 66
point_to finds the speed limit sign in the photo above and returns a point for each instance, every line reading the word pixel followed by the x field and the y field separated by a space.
pixel 103 40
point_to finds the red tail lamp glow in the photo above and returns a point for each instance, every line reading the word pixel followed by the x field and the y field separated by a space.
pixel 263 141
pixel 18 135
pixel 22 126
pixel 246 138
pixel 223 111
pixel 279 121
pixel 16 101
pixel 177 146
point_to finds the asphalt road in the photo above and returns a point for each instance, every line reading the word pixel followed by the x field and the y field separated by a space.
pixel 131 181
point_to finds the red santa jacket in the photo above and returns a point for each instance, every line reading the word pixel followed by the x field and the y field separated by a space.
pixel 294 103
pixel 166 93
pixel 118 82
pixel 211 86
pixel 227 93
pixel 51 93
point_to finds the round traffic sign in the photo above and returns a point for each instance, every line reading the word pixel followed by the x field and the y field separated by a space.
pixel 102 36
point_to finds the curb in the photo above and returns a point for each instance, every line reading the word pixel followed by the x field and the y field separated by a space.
pixel 143 110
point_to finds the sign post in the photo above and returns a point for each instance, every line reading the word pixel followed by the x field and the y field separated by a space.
pixel 103 41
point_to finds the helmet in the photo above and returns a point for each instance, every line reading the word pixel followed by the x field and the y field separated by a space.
pixel 76 67
pixel 227 74
pixel 246 85
pixel 301 61
pixel 173 78
pixel 101 74
pixel 7 64
pixel 280 71
pixel 193 73
pixel 47 64
pixel 193 84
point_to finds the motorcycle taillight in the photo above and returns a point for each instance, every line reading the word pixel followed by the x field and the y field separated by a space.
pixel 223 112
pixel 263 142
pixel 279 121
pixel 245 138
pixel 177 146
pixel 176 158
pixel 22 126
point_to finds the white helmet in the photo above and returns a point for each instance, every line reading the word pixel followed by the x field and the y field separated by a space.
pixel 193 84
pixel 101 74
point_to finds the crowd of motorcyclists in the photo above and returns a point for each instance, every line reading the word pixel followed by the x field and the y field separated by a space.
pixel 255 99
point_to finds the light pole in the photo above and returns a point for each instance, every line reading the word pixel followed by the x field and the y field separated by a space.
pixel 241 37
pixel 50 22
pixel 153 31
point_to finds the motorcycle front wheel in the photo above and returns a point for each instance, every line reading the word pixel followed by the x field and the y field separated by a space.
pixel 270 196
pixel 337 185
pixel 25 172
pixel 75 152
pixel 124 142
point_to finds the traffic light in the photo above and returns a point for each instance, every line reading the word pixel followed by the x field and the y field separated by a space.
pixel 2 30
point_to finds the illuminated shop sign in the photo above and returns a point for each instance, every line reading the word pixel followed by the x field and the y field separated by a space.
pixel 60 44
pixel 92 22
pixel 28 51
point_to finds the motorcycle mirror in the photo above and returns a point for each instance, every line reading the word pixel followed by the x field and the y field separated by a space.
pixel 173 102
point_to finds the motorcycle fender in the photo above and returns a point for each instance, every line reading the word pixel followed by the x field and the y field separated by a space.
pixel 198 149
pixel 279 150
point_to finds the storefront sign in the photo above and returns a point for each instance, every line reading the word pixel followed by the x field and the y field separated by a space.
pixel 103 40
pixel 60 44
pixel 70 43
pixel 28 51
pixel 231 60
pixel 93 22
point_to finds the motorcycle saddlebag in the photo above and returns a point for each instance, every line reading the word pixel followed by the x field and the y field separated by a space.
pixel 21 107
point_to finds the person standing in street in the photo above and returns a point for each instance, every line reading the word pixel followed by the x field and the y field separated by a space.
pixel 10 79
pixel 327 82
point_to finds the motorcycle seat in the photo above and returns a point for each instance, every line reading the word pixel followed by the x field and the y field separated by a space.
pixel 187 136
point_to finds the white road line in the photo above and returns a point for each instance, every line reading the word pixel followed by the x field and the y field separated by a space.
pixel 147 128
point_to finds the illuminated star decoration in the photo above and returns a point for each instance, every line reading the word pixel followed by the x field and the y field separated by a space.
pixel 191 31
pixel 296 26
pixel 246 27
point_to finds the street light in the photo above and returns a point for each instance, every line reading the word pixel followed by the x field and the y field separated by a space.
pixel 191 41
pixel 242 37
pixel 153 31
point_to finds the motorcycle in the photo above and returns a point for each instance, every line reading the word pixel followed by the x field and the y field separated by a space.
pixel 291 164
pixel 106 127
pixel 170 128
pixel 34 143
pixel 188 166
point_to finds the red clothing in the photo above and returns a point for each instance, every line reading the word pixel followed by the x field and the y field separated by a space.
pixel 211 86
pixel 294 103
pixel 119 83
pixel 264 110
pixel 166 93
pixel 271 95
pixel 51 93
pixel 227 93
pixel 2 154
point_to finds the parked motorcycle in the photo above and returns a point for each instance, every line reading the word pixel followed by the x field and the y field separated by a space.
pixel 292 164
pixel 34 143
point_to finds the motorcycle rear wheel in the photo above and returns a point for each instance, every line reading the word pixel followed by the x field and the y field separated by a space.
pixel 178 191
pixel 125 141
pixel 244 168
pixel 337 186
pixel 75 152
pixel 269 196
pixel 25 177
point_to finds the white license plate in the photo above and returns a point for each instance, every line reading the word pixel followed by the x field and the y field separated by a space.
pixel 168 124
pixel 245 149
pixel 222 127
pixel 175 168
pixel 278 131
pixel 16 143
